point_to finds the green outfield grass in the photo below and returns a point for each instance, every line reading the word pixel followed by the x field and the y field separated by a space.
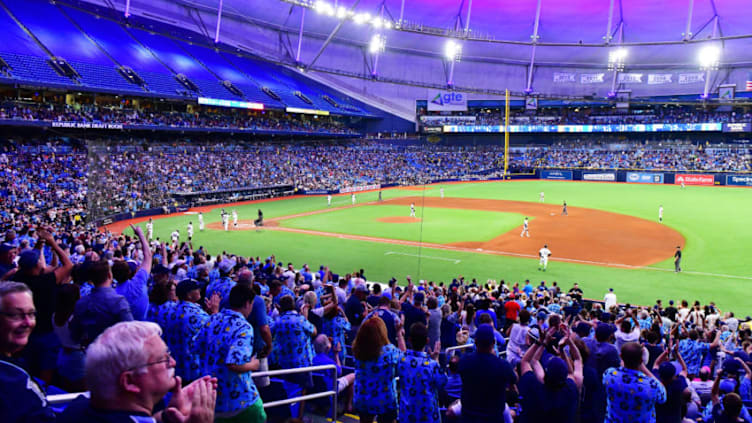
pixel 713 220
pixel 440 226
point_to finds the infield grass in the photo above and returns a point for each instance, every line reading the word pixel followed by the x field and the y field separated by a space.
pixel 713 220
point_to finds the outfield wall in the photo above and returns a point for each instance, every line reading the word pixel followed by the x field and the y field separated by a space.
pixel 647 177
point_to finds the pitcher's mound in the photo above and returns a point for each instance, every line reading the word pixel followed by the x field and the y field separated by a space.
pixel 398 219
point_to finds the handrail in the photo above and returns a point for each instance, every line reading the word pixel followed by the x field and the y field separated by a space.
pixel 459 347
pixel 66 398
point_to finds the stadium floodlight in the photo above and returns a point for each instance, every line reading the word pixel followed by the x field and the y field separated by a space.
pixel 377 44
pixel 362 18
pixel 341 12
pixel 324 8
pixel 387 24
pixel 709 57
pixel 617 58
pixel 452 50
pixel 377 22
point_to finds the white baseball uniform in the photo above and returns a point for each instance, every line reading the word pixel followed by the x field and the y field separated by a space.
pixel 149 230
pixel 441 191
pixel 234 218
pixel 544 253
pixel 200 222
pixel 175 236
pixel 329 200
pixel 660 214
pixel 190 230
pixel 542 196
pixel 412 210
pixel 352 196
pixel 525 228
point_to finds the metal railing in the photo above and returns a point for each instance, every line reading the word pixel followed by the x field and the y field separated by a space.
pixel 66 398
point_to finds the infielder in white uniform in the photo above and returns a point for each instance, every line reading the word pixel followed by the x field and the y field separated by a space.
pixel 412 209
pixel 189 229
pixel 542 197
pixel 660 214
pixel 225 221
pixel 352 197
pixel 175 236
pixel 235 218
pixel 149 229
pixel 544 254
pixel 441 192
pixel 525 230
pixel 200 221
pixel 329 200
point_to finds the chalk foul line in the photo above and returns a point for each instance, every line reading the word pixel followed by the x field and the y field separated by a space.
pixel 389 253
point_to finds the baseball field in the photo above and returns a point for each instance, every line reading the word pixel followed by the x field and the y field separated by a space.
pixel 611 237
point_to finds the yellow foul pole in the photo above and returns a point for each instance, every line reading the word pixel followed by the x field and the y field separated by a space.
pixel 506 134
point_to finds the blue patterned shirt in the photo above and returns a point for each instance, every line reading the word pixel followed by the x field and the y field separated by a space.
pixel 692 353
pixel 291 340
pixel 284 291
pixel 420 381
pixel 375 389
pixel 336 329
pixel 160 313
pixel 183 324
pixel 222 286
pixel 631 395
pixel 227 338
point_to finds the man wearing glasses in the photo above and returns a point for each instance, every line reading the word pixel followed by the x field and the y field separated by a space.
pixel 21 398
pixel 128 371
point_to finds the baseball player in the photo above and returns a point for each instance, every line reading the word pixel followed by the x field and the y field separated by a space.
pixel 412 209
pixel 682 184
pixel 542 197
pixel 352 197
pixel 329 200
pixel 149 229
pixel 660 213
pixel 544 254
pixel 175 236
pixel 677 259
pixel 189 229
pixel 380 198
pixel 564 210
pixel 234 218
pixel 525 230
pixel 225 220
pixel 200 221
pixel 441 192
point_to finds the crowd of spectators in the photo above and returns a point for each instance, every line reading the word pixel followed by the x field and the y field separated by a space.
pixel 587 116
pixel 203 118
pixel 130 319
pixel 62 181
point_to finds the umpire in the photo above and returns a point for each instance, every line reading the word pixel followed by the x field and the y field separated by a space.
pixel 677 259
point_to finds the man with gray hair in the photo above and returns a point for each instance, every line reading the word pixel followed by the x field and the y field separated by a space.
pixel 128 371
pixel 21 398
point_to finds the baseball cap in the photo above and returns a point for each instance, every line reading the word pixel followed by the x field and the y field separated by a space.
pixel 556 372
pixel 160 270
pixel 185 286
pixel 484 336
pixel 666 371
pixel 28 259
pixel 226 265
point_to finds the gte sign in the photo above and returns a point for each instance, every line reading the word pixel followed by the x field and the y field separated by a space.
pixel 447 101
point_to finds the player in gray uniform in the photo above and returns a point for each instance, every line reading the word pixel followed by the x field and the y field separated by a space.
pixel 525 230
pixel 677 259
pixel 564 210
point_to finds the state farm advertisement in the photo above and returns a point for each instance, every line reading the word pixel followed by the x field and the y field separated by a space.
pixel 694 179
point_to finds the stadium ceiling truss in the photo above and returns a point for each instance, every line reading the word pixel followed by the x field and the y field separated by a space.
pixel 699 28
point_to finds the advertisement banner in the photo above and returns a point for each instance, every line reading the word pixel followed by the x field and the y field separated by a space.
pixel 644 178
pixel 563 77
pixel 317 192
pixel 659 78
pixel 443 101
pixel 693 179
pixel 359 188
pixel 739 180
pixel 737 127
pixel 86 125
pixel 605 177
pixel 630 78
pixel 562 175
pixel 591 78
pixel 691 78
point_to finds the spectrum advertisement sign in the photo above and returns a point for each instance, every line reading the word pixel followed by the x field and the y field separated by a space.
pixel 562 175
pixel 603 177
pixel 650 127
pixel 739 180
pixel 692 179
pixel 644 178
